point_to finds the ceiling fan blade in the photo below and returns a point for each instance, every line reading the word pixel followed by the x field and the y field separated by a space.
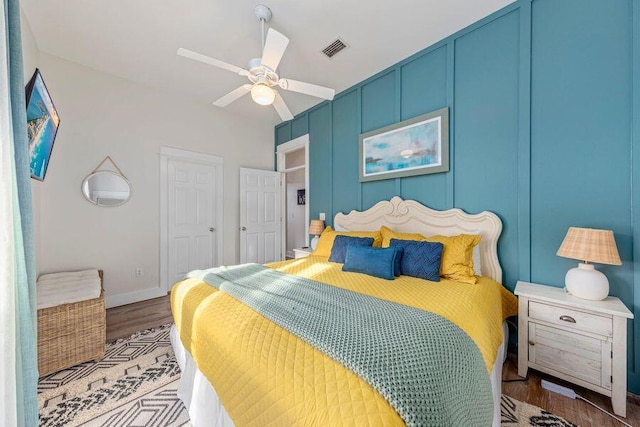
pixel 232 96
pixel 281 108
pixel 307 88
pixel 211 61
pixel 274 48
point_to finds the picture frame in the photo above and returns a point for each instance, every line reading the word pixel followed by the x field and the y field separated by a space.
pixel 302 196
pixel 416 146
pixel 42 125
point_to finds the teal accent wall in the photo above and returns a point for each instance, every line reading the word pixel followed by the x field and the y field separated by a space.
pixel 544 99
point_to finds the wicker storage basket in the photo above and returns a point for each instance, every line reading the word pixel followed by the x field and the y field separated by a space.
pixel 69 334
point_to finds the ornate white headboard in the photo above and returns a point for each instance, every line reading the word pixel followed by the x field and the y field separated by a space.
pixel 409 216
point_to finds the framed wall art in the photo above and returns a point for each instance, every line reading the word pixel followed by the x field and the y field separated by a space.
pixel 42 125
pixel 415 146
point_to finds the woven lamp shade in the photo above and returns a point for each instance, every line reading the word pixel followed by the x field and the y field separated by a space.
pixel 316 227
pixel 590 245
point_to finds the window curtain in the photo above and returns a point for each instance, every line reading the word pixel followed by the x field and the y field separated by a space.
pixel 18 354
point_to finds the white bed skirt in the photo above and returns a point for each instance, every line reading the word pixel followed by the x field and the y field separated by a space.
pixel 205 408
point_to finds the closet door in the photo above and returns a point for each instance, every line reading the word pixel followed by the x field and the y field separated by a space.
pixel 192 236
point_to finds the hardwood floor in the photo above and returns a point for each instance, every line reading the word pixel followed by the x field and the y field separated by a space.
pixel 576 411
pixel 125 320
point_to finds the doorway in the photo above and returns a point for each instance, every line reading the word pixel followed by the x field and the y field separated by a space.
pixel 293 163
pixel 190 213
pixel 260 216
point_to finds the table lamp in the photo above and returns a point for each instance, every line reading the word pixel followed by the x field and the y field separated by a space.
pixel 589 245
pixel 316 227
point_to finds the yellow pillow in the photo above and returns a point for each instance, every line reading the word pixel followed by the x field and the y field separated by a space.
pixel 388 234
pixel 457 256
pixel 325 243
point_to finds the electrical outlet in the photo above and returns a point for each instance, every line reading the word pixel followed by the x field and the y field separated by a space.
pixel 139 272
pixel 322 216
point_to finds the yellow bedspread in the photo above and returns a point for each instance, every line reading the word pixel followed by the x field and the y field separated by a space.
pixel 266 376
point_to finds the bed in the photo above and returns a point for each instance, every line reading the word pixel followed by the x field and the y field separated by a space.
pixel 240 367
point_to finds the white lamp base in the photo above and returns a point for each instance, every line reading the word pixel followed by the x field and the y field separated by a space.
pixel 585 282
pixel 314 242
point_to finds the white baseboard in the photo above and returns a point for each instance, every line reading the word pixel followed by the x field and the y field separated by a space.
pixel 131 297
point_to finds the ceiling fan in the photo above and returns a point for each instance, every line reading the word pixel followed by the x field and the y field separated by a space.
pixel 263 72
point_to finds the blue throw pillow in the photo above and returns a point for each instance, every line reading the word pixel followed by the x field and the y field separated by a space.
pixel 339 248
pixel 420 259
pixel 377 262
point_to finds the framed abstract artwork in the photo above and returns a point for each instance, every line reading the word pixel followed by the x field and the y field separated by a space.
pixel 415 146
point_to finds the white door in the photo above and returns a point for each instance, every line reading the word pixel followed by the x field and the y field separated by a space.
pixel 192 199
pixel 260 216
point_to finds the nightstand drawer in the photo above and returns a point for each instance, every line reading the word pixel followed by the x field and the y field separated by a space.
pixel 570 318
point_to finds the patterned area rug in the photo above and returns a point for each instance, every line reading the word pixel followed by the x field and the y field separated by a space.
pixel 516 413
pixel 136 385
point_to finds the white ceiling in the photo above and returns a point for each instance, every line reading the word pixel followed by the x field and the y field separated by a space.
pixel 137 40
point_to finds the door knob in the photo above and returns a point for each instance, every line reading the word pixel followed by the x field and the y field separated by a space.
pixel 243 228
pixel 211 229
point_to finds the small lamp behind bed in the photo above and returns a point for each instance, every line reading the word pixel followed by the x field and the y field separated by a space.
pixel 316 228
pixel 589 245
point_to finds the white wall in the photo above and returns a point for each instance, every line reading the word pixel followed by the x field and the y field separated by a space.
pixel 30 51
pixel 104 115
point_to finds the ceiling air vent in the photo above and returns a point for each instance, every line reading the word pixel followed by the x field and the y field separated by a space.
pixel 334 48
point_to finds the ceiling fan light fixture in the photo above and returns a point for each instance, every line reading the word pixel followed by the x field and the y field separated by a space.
pixel 262 72
pixel 262 94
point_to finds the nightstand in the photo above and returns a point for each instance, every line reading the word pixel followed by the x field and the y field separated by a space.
pixel 302 252
pixel 580 341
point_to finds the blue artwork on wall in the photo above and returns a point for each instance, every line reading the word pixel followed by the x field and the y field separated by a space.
pixel 42 125
pixel 413 147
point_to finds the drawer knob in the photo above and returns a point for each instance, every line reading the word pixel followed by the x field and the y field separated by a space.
pixel 532 343
pixel 566 318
